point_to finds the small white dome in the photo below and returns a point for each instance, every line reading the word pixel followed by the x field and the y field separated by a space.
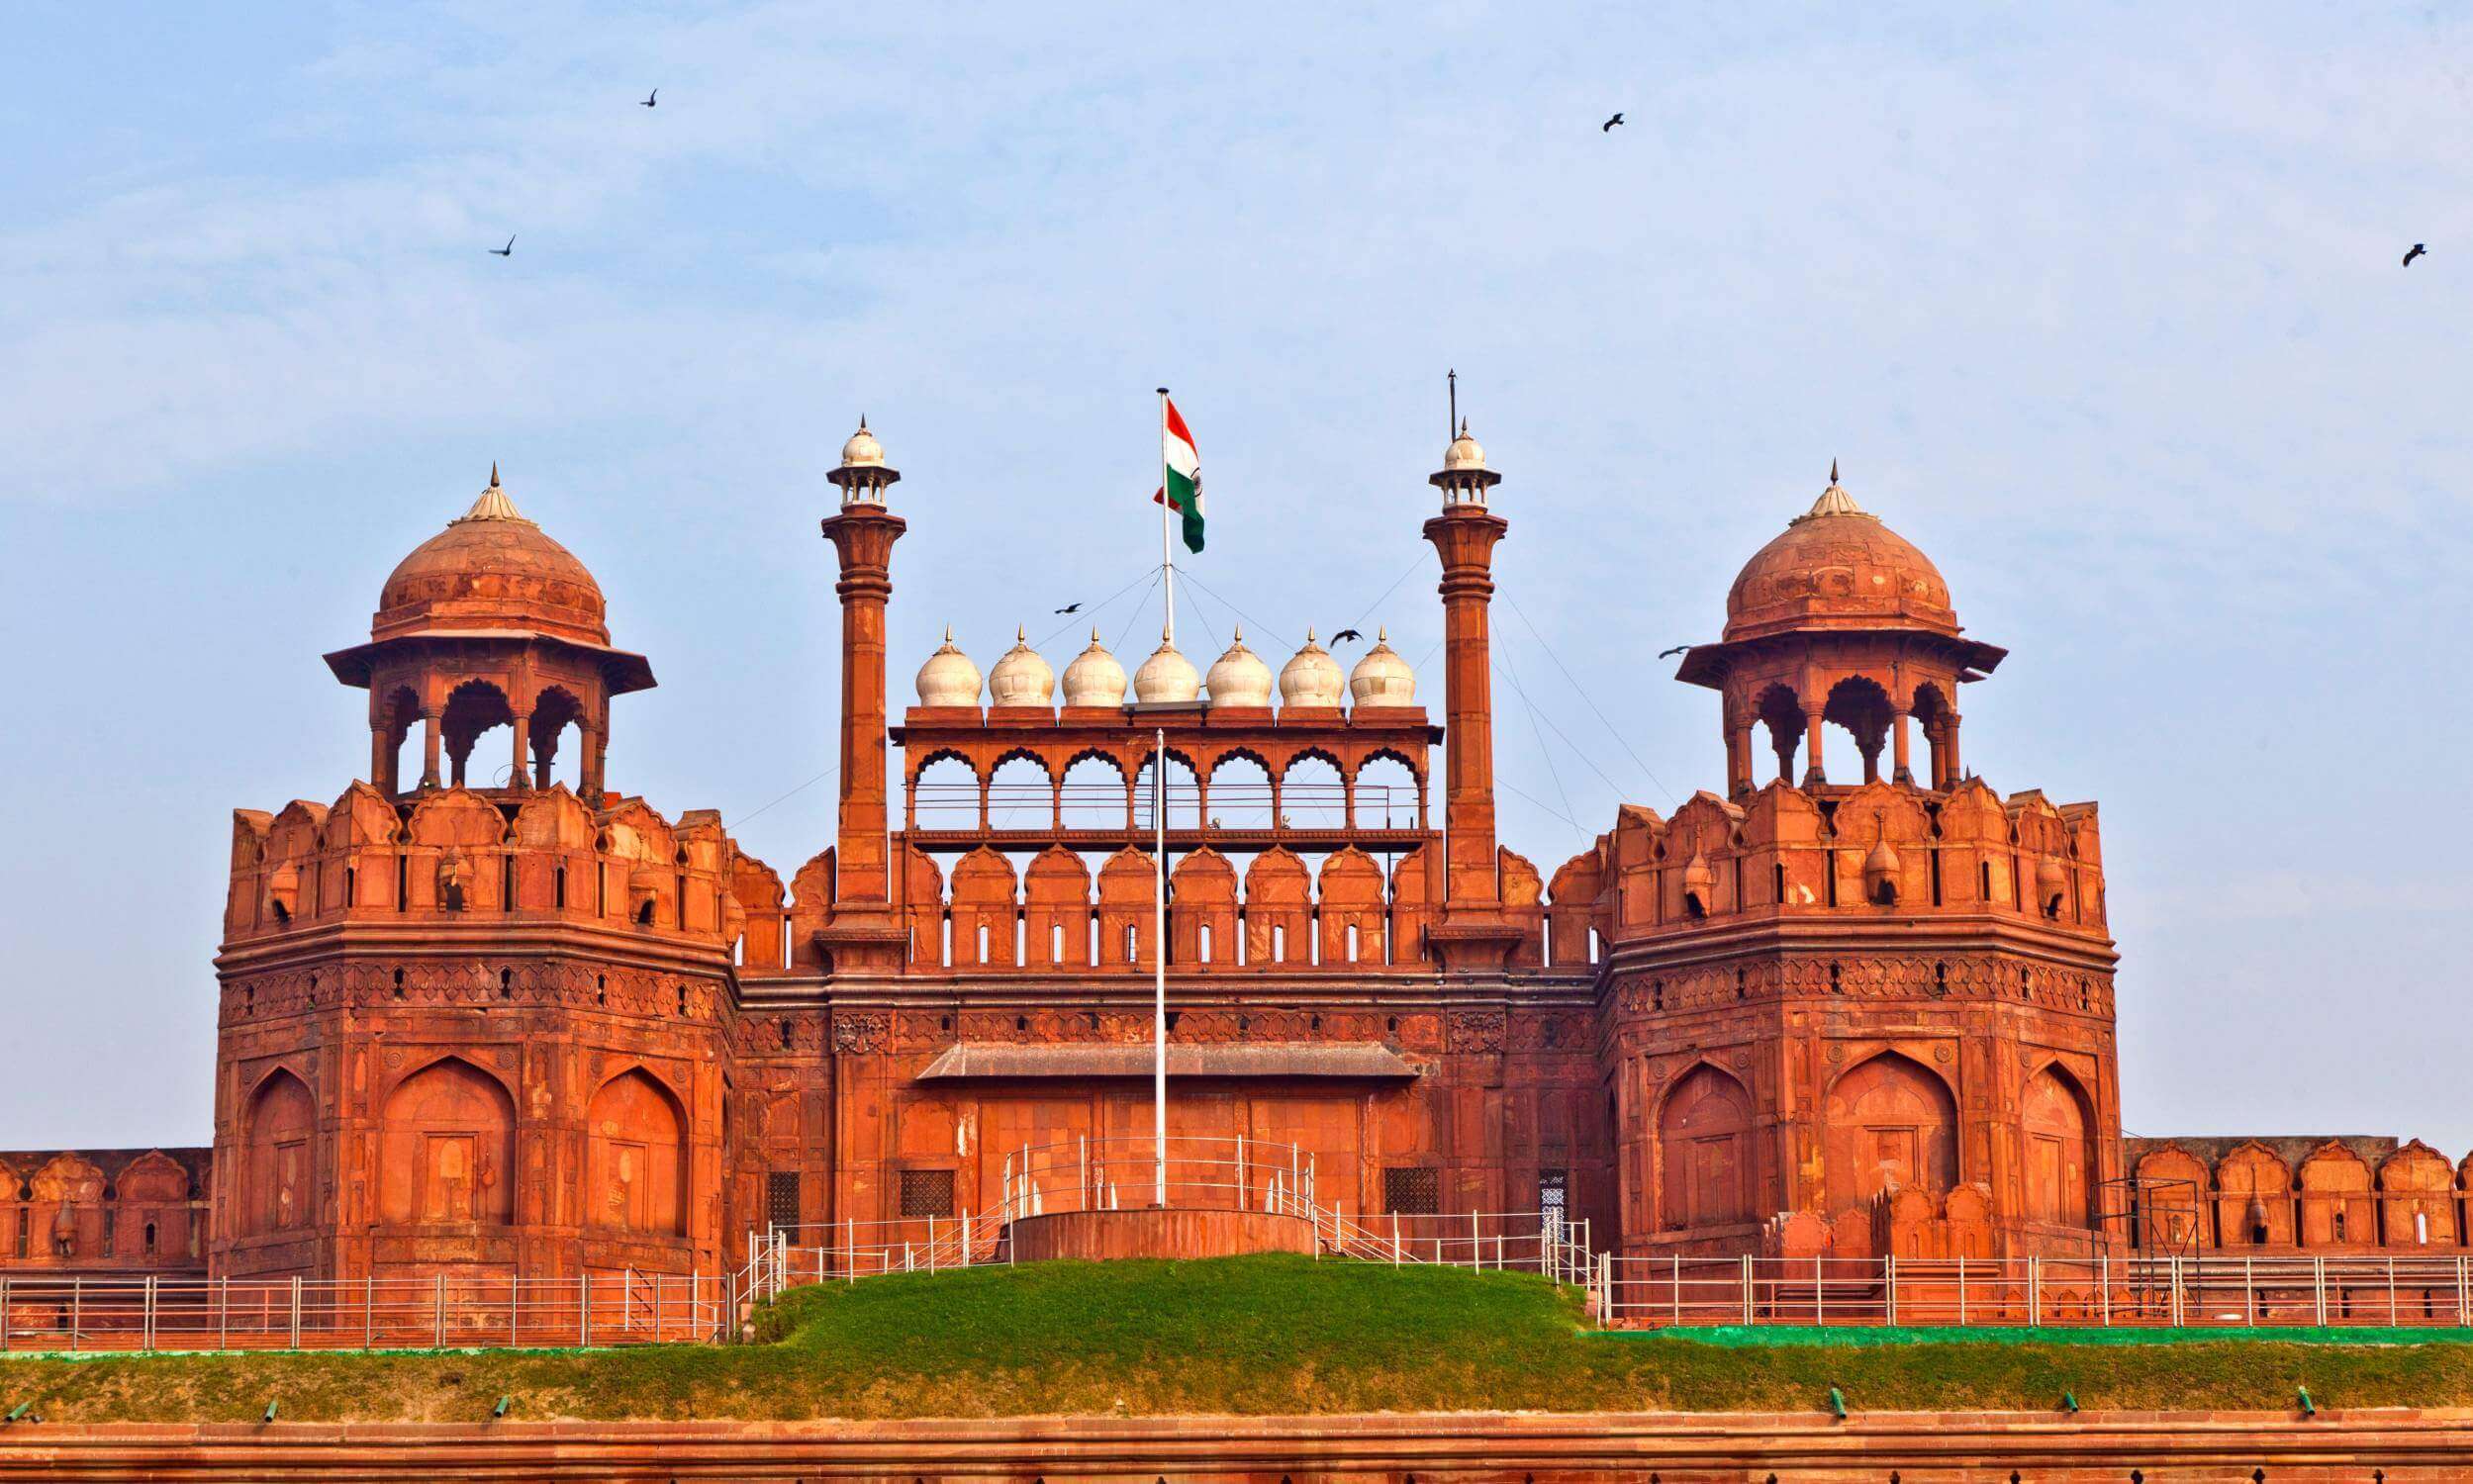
pixel 948 679
pixel 1464 453
pixel 1313 678
pixel 1239 677
pixel 862 451
pixel 1382 678
pixel 1166 675
pixel 1095 678
pixel 1021 677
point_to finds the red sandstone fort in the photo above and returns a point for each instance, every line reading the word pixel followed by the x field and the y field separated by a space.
pixel 474 1022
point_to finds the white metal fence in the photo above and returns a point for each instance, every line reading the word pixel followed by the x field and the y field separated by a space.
pixel 104 1314
pixel 2225 1292
pixel 1199 1173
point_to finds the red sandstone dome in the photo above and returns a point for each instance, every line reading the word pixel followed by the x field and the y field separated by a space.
pixel 1835 565
pixel 491 569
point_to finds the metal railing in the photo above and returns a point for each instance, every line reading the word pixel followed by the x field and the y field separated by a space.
pixel 79 1315
pixel 1200 1173
pixel 2404 1291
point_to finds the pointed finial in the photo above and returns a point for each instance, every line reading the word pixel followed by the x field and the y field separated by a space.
pixel 1833 470
pixel 1238 633
pixel 1019 635
pixel 493 474
pixel 861 421
pixel 1094 633
pixel 1309 633
pixel 1381 633
pixel 948 634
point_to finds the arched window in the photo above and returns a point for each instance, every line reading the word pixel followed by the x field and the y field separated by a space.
pixel 281 1167
pixel 2060 1148
pixel 449 1146
pixel 1704 1146
pixel 635 1156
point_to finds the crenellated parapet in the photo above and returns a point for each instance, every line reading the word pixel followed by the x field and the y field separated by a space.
pixel 471 859
pixel 2305 1194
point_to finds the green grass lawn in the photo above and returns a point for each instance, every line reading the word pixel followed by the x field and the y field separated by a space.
pixel 1245 1335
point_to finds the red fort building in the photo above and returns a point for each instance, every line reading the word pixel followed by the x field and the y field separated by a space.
pixel 1852 1002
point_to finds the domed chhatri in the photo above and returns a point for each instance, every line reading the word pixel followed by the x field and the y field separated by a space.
pixel 948 679
pixel 1313 678
pixel 1835 565
pixel 1239 677
pixel 1166 675
pixel 491 569
pixel 863 475
pixel 1382 678
pixel 1021 677
pixel 1095 677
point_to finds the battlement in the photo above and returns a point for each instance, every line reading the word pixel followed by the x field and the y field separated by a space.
pixel 1876 852
pixel 502 857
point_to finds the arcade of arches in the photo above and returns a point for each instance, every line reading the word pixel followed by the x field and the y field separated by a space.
pixel 485 1012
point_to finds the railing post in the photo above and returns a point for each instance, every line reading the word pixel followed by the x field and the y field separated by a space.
pixel 2461 1316
pixel 2391 1290
pixel 931 1244
pixel 1961 1289
pixel 2317 1290
pixel 1820 1291
pixel 1395 1255
pixel 583 1306
pixel 2034 1291
pixel 1747 1290
pixel 2104 1284
pixel 2250 1290
pixel 437 1313
pixel 369 1311
pixel 514 1309
pixel 222 1317
pixel 295 1313
pixel 77 1309
pixel 1678 1287
pixel 149 1340
pixel 4 1309
pixel 1890 1287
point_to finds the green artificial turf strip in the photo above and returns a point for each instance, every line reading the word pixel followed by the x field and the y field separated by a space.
pixel 1256 1334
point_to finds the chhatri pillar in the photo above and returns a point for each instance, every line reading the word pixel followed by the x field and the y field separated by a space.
pixel 1474 934
pixel 862 932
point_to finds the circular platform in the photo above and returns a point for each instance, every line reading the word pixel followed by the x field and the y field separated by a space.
pixel 1149 1231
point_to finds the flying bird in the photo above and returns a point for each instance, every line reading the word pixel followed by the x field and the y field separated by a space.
pixel 1609 126
pixel 1345 636
pixel 2417 252
pixel 1070 607
pixel 507 252
pixel 652 102
pixel 1677 649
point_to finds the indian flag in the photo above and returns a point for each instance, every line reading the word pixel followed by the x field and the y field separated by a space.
pixel 1181 488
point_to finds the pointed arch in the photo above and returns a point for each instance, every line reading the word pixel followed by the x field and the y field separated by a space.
pixel 279 1170
pixel 449 1146
pixel 1892 1121
pixel 1704 1151
pixel 2056 1118
pixel 635 1156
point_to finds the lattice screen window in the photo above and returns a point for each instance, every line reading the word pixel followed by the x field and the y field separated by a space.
pixel 927 1192
pixel 1414 1191
pixel 781 1198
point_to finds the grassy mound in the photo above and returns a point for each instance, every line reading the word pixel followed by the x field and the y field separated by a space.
pixel 1246 1335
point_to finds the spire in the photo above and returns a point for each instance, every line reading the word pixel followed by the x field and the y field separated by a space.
pixel 494 504
pixel 1834 501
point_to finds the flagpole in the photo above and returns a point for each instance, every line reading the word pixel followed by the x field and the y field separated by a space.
pixel 1159 861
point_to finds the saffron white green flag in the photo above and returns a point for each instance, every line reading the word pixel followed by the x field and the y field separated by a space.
pixel 1182 488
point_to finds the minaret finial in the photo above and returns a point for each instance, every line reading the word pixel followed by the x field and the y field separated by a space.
pixel 1833 469
pixel 1451 379
pixel 493 474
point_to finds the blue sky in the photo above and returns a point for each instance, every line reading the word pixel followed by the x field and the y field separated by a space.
pixel 2102 308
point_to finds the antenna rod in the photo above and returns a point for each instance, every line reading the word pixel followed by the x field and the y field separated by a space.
pixel 1451 430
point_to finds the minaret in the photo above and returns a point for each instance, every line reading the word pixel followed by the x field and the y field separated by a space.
pixel 862 932
pixel 1472 933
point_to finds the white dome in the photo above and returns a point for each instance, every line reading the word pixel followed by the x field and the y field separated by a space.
pixel 1382 678
pixel 1166 675
pixel 948 679
pixel 1464 453
pixel 862 451
pixel 1239 677
pixel 1313 678
pixel 1021 677
pixel 1095 678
